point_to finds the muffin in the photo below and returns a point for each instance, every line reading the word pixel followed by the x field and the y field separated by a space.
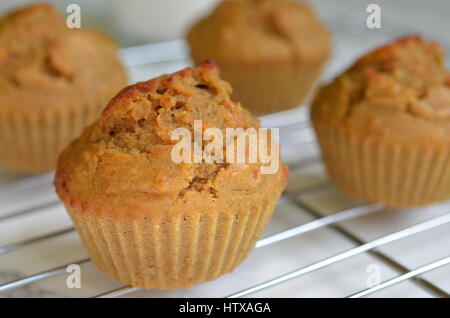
pixel 384 125
pixel 53 82
pixel 271 51
pixel 148 221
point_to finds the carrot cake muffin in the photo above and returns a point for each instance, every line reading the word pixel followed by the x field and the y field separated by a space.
pixel 147 220
pixel 53 82
pixel 384 125
pixel 271 51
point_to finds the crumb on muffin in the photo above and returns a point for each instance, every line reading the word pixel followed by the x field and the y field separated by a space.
pixel 53 82
pixel 148 221
pixel 125 157
pixel 260 30
pixel 271 51
pixel 398 86
pixel 384 125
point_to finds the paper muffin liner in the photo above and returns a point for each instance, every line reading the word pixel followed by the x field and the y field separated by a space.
pixel 268 88
pixel 30 141
pixel 168 252
pixel 397 175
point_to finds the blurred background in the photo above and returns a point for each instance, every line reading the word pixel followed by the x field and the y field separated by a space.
pixel 143 21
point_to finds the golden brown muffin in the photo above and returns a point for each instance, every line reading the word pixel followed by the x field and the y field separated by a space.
pixel 53 82
pixel 271 51
pixel 147 220
pixel 384 125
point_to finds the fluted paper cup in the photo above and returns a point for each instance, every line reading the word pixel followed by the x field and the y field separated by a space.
pixel 269 88
pixel 30 141
pixel 168 252
pixel 396 174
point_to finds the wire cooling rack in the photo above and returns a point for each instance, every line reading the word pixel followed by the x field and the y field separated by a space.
pixel 318 242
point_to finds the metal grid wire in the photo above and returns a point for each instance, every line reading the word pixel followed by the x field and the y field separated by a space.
pixel 289 138
pixel 295 198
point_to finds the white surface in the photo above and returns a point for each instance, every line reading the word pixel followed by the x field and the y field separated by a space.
pixel 264 263
pixel 158 20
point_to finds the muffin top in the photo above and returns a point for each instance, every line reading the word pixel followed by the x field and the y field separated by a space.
pixel 122 164
pixel 254 30
pixel 399 92
pixel 44 64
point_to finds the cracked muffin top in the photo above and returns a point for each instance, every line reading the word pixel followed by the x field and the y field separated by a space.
pixel 122 163
pixel 400 92
pixel 255 30
pixel 44 64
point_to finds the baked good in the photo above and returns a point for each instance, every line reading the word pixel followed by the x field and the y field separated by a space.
pixel 53 82
pixel 271 51
pixel 147 220
pixel 384 125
